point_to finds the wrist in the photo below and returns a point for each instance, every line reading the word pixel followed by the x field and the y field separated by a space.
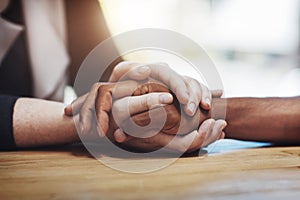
pixel 217 110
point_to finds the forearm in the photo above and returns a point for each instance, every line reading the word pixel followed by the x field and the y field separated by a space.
pixel 261 119
pixel 38 123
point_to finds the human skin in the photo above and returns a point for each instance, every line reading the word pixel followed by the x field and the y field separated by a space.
pixel 38 122
pixel 119 112
pixel 257 119
pixel 189 92
pixel 179 131
pixel 262 119
pixel 41 123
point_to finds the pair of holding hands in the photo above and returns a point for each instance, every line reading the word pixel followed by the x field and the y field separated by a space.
pixel 148 107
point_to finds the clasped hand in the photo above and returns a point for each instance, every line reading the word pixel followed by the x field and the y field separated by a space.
pixel 121 109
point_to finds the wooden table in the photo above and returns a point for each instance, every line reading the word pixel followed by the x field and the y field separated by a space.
pixel 71 173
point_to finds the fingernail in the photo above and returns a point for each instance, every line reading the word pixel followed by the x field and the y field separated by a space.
pixel 207 101
pixel 224 125
pixel 66 110
pixel 143 69
pixel 67 107
pixel 224 134
pixel 165 98
pixel 119 136
pixel 192 107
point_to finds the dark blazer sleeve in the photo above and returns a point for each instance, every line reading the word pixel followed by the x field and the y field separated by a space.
pixel 7 103
pixel 86 28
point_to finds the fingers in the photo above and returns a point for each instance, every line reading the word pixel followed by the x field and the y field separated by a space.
pixel 124 108
pixel 130 70
pixel 195 93
pixel 216 93
pixel 222 136
pixel 149 88
pixel 198 136
pixel 128 106
pixel 215 133
pixel 159 71
pixel 187 143
pixel 120 90
pixel 87 111
pixel 74 108
pixel 103 106
pixel 121 137
pixel 209 131
pixel 190 96
pixel 162 72
pixel 195 97
pixel 97 103
pixel 205 98
pixel 123 89
pixel 104 98
pixel 199 94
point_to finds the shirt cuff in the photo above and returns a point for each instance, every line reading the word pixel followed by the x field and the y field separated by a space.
pixel 7 103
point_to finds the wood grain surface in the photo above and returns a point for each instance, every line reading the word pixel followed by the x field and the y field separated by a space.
pixel 71 173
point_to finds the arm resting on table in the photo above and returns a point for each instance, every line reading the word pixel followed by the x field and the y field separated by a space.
pixel 39 122
pixel 262 119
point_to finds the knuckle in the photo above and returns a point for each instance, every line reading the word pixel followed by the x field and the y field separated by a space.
pixel 145 102
pixel 204 88
pixel 189 80
pixel 164 64
pixel 115 70
pixel 148 88
pixel 176 88
pixel 119 65
pixel 199 95
pixel 107 88
pixel 96 85
pixel 102 88
pixel 144 89
pixel 138 91
pixel 203 133
pixel 81 113
pixel 194 83
pixel 165 68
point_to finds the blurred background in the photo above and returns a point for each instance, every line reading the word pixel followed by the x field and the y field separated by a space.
pixel 254 44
